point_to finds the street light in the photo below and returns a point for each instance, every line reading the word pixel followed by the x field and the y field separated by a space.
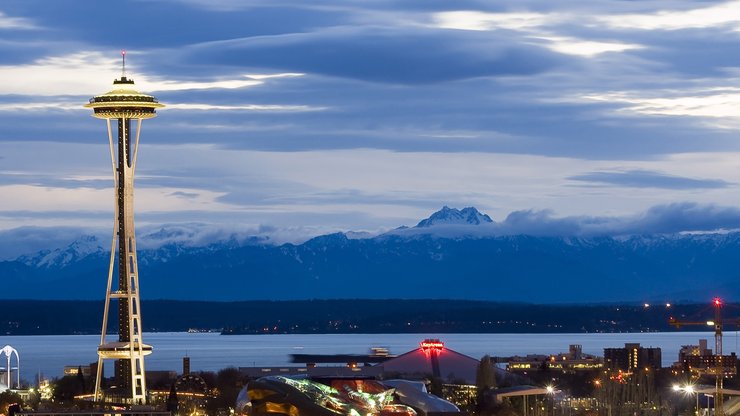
pixel 551 393
pixel 689 389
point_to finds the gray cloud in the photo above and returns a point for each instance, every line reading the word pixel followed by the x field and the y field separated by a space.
pixel 387 80
pixel 187 195
pixel 686 216
pixel 41 215
pixel 461 91
pixel 660 219
pixel 28 240
pixel 165 25
pixel 533 222
pixel 649 179
pixel 55 181
pixel 295 194
pixel 381 54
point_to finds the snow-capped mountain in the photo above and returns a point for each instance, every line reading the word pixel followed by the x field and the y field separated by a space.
pixel 417 262
pixel 79 249
pixel 453 216
pixel 451 223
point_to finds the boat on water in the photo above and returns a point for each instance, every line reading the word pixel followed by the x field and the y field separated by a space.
pixel 375 356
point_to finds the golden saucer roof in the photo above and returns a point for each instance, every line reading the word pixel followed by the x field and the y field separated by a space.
pixel 124 102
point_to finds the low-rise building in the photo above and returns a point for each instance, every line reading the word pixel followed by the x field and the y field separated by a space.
pixel 572 361
pixel 699 360
pixel 632 357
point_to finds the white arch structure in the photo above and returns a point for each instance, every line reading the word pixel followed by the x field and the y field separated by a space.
pixel 8 352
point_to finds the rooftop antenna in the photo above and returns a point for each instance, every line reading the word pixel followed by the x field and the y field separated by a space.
pixel 123 79
pixel 123 63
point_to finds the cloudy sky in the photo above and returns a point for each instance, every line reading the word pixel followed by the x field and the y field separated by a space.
pixel 302 117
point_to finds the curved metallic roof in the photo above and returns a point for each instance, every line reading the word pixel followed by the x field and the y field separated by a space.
pixel 124 102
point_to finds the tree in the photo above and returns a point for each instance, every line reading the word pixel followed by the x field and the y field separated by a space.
pixel 81 381
pixel 172 402
pixel 485 375
pixel 65 389
pixel 485 381
pixel 435 386
pixel 7 399
pixel 228 382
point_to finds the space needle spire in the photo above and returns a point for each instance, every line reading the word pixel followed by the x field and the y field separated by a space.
pixel 119 107
pixel 123 63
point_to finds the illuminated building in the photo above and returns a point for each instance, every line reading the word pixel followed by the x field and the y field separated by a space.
pixel 333 396
pixel 631 357
pixel 700 349
pixel 120 106
pixel 433 358
pixel 699 360
pixel 688 351
pixel 185 365
pixel 711 364
pixel 572 361
pixel 73 370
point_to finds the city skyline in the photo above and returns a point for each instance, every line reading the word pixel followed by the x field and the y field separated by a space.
pixel 297 120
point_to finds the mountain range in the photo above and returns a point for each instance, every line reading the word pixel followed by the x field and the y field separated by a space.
pixel 453 254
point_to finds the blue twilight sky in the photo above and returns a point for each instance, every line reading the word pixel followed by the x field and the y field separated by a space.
pixel 293 118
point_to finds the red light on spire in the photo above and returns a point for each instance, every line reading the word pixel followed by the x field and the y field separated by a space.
pixel 123 51
pixel 717 302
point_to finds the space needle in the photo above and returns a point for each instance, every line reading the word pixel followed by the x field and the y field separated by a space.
pixel 119 108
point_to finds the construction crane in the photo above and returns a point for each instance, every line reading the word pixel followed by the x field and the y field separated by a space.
pixel 719 362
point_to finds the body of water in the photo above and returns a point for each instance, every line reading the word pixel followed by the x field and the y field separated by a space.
pixel 49 354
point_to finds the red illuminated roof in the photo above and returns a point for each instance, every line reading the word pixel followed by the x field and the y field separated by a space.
pixel 417 362
pixel 432 344
pixel 427 344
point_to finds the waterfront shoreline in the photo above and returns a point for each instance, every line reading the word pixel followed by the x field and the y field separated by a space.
pixel 211 352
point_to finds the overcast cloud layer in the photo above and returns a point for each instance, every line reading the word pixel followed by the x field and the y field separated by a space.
pixel 311 117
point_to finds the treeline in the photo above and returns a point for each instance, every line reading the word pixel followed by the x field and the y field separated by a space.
pixel 35 317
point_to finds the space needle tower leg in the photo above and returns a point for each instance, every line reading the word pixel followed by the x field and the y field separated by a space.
pixel 120 107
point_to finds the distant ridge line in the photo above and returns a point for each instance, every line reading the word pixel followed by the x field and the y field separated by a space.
pixel 39 317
